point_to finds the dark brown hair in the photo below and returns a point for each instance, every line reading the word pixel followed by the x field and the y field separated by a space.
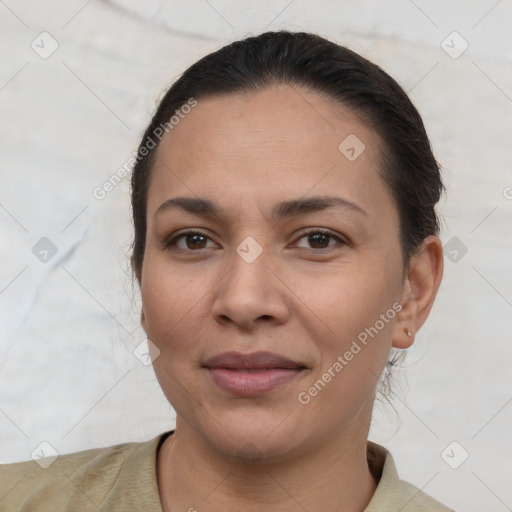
pixel 310 61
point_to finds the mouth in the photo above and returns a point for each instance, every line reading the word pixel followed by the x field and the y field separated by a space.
pixel 252 374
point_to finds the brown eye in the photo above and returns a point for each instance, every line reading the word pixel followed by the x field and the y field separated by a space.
pixel 191 240
pixel 195 241
pixel 320 239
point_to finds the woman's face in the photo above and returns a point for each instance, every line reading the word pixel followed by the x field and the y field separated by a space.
pixel 300 258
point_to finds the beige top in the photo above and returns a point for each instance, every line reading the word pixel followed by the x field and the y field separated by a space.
pixel 123 478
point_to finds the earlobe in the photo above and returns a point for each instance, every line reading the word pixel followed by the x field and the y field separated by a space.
pixel 419 292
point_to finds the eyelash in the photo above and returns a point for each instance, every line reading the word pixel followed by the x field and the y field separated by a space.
pixel 340 241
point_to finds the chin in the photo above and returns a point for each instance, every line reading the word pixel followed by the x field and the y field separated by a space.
pixel 253 437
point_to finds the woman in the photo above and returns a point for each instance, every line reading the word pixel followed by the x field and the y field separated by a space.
pixel 283 202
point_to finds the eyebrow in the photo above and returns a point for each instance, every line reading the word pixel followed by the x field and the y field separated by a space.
pixel 282 210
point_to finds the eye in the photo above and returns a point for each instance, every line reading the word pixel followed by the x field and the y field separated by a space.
pixel 320 239
pixel 188 240
pixel 317 239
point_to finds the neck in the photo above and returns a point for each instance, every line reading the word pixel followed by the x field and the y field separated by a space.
pixel 332 476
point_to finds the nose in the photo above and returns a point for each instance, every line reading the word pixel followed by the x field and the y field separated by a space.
pixel 251 294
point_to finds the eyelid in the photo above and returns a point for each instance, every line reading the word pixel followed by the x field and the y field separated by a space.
pixel 334 234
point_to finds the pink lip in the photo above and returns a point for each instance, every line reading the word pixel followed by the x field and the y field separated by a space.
pixel 251 374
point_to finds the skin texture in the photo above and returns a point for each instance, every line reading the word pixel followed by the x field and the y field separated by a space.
pixel 247 152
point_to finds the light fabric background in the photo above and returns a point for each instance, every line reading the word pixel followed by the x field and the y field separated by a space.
pixel 73 114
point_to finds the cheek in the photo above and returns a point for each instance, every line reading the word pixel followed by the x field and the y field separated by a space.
pixel 349 298
pixel 171 303
pixel 355 320
pixel 353 340
pixel 169 297
pixel 174 309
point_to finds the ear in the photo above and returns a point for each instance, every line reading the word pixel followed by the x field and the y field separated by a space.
pixel 421 284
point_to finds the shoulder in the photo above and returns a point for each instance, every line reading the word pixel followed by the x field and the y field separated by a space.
pixel 84 480
pixel 392 493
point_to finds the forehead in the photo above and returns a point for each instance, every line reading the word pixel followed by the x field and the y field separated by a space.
pixel 281 140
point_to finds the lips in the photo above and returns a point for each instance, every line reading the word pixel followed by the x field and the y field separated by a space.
pixel 254 361
pixel 252 374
